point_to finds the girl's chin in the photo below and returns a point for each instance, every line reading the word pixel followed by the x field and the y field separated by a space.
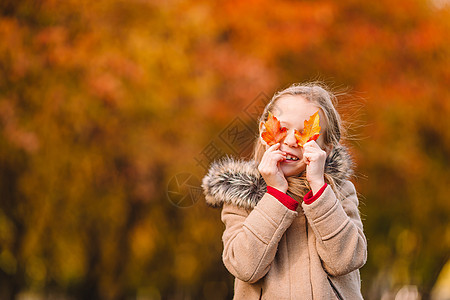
pixel 291 168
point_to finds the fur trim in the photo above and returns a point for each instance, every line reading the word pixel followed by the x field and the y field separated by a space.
pixel 239 182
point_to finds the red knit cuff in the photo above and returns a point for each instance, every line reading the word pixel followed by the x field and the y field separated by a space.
pixel 310 198
pixel 286 200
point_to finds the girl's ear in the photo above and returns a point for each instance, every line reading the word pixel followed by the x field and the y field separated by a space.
pixel 261 126
pixel 261 129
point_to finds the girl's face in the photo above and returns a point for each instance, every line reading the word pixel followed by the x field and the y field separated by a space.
pixel 292 111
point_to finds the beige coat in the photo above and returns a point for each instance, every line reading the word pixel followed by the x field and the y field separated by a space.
pixel 277 253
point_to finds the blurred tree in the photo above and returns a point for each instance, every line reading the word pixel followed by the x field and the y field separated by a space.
pixel 91 98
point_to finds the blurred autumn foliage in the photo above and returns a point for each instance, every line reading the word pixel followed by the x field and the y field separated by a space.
pixel 104 103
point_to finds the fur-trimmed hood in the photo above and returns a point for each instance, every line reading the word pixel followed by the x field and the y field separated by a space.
pixel 239 182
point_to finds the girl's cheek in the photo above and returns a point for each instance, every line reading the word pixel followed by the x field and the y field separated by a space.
pixel 300 156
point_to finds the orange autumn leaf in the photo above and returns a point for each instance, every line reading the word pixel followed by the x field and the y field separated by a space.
pixel 311 130
pixel 273 133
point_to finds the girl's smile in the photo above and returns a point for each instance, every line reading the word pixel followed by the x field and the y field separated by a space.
pixel 291 157
pixel 292 164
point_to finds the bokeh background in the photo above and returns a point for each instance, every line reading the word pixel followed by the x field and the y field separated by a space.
pixel 111 111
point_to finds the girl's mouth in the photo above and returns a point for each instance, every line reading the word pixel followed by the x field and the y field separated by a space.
pixel 291 158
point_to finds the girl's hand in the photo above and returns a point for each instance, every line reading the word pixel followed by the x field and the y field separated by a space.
pixel 270 168
pixel 314 158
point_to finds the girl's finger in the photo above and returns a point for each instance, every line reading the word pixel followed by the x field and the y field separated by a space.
pixel 269 153
pixel 312 144
pixel 307 156
pixel 312 156
pixel 278 152
pixel 312 151
pixel 274 147
pixel 306 159
pixel 273 157
pixel 277 157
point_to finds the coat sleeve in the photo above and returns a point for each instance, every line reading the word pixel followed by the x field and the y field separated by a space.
pixel 251 238
pixel 341 243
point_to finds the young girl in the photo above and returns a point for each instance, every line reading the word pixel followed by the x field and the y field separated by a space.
pixel 276 248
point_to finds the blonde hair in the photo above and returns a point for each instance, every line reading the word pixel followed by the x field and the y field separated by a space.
pixel 318 94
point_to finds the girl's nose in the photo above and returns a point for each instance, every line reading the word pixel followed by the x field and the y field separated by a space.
pixel 290 139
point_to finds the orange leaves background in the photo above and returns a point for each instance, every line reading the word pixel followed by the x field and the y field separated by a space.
pixel 97 102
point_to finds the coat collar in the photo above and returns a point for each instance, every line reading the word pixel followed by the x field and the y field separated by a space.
pixel 239 182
